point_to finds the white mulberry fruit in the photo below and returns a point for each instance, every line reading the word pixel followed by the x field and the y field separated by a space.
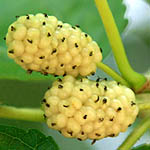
pixel 85 109
pixel 44 44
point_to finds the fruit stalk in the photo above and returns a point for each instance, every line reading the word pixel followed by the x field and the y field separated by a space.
pixel 28 114
pixel 135 79
pixel 135 134
pixel 112 73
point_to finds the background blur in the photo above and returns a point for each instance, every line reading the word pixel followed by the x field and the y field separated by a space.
pixel 19 89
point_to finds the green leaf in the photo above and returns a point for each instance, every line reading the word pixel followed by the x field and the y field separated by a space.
pixel 82 12
pixel 13 138
pixel 142 147
pixel 148 1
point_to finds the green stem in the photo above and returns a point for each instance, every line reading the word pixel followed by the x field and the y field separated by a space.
pixel 112 73
pixel 135 134
pixel 28 114
pixel 135 79
pixel 144 106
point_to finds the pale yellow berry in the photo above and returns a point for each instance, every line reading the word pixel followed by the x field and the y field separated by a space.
pixel 85 109
pixel 65 49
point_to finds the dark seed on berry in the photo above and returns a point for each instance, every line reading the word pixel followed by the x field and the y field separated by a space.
pixel 47 67
pixel 101 119
pixel 105 88
pixel 29 71
pixel 47 105
pixel 44 116
pixel 97 85
pixel 42 57
pixel 45 73
pixel 98 79
pixel 129 125
pixel 28 17
pixel 64 74
pixel 63 39
pixel 92 73
pixel 119 109
pixel 77 26
pixel 81 89
pixel 111 119
pixel 79 139
pixel 85 35
pixel 44 100
pixel 11 51
pixel 4 38
pixel 48 34
pixel 59 131
pixel 70 132
pixel 13 28
pixel 85 116
pixel 74 67
pixel 60 26
pixel 133 103
pixel 104 101
pixel 97 99
pixel 30 41
pixel 101 50
pixel 97 134
pixel 62 65
pixel 54 51
pixel 66 106
pixel 59 80
pixel 45 15
pixel 91 53
pixel 44 23
pixel 60 86
pixel 112 135
pixel 93 142
pixel 53 124
pixel 76 45
pixel 105 79
pixel 82 133
pixel 118 83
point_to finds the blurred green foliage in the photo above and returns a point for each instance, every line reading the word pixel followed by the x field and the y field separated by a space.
pixel 142 147
pixel 148 1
